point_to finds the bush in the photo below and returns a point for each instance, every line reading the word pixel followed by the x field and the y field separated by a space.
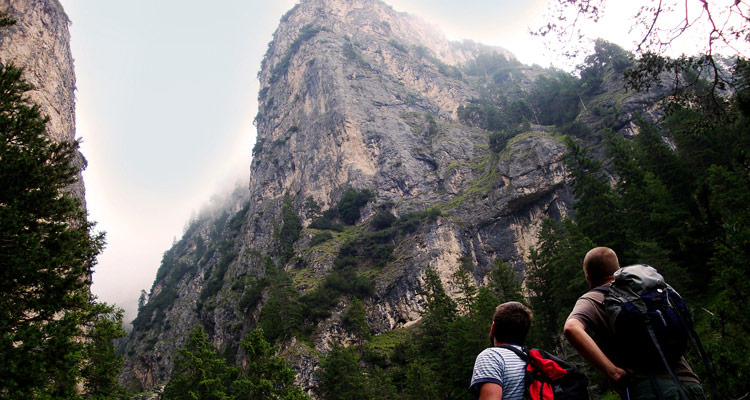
pixel 291 227
pixel 320 237
pixel 351 203
pixel 398 46
pixel 409 223
pixel 382 219
pixel 326 222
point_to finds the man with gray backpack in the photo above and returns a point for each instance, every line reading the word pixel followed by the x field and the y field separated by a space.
pixel 634 328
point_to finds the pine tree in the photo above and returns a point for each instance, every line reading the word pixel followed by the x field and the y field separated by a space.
pixel 504 284
pixel 103 362
pixel 355 322
pixel 266 375
pixel 555 278
pixel 49 323
pixel 199 372
pixel 341 377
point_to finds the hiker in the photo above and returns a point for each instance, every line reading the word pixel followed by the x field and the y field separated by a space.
pixel 589 330
pixel 499 372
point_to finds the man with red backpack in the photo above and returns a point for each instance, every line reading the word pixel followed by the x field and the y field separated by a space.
pixel 508 370
pixel 498 371
pixel 590 328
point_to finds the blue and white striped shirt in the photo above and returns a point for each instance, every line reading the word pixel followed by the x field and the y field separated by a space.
pixel 500 366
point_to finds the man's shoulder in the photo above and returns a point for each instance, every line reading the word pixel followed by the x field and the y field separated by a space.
pixel 596 295
pixel 589 309
pixel 494 352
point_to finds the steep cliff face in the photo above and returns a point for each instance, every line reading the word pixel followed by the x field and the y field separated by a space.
pixel 355 96
pixel 39 41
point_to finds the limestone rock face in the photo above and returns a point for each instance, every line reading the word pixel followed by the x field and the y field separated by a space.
pixel 354 95
pixel 39 42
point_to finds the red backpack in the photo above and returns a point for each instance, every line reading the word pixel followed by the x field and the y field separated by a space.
pixel 548 377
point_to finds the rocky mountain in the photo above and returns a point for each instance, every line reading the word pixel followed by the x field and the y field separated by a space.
pixel 383 150
pixel 39 41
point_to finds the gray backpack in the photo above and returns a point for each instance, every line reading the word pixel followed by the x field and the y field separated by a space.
pixel 651 322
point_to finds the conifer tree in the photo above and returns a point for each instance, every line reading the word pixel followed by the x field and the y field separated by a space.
pixel 341 377
pixel 52 331
pixel 199 372
pixel 555 278
pixel 266 375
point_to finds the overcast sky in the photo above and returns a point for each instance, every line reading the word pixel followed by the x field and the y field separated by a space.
pixel 166 95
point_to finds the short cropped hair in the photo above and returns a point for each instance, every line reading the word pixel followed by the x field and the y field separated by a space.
pixel 512 322
pixel 600 264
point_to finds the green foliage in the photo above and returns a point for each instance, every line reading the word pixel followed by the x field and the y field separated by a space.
pixel 382 219
pixel 595 199
pixel 291 228
pixel 266 375
pixel 311 207
pixel 504 284
pixel 103 362
pixel 227 253
pixel 499 115
pixel 555 278
pixel 48 252
pixel 344 281
pixel 555 98
pixel 281 316
pixel 327 222
pixel 6 20
pixel 351 203
pixel 398 46
pixel 253 293
pixel 681 208
pixel 433 360
pixel 320 237
pixel 368 250
pixel 258 147
pixel 355 321
pixel 498 140
pixel 432 126
pixel 606 58
pixel 201 373
pixel 347 210
pixel 341 377
pixel 410 222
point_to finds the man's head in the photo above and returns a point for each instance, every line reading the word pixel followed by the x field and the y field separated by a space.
pixel 511 323
pixel 599 265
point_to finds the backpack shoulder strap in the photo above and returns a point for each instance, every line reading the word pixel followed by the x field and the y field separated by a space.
pixel 522 354
pixel 603 288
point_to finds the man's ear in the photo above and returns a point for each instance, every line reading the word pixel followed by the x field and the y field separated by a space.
pixel 492 333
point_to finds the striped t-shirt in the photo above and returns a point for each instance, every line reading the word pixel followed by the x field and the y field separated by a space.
pixel 500 366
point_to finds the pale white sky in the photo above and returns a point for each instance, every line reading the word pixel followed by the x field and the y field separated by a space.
pixel 166 95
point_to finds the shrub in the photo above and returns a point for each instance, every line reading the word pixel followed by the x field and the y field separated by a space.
pixel 398 46
pixel 291 227
pixel 326 222
pixel 382 219
pixel 409 223
pixel 320 237
pixel 351 202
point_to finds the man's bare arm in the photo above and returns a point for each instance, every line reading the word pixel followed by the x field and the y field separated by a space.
pixel 576 334
pixel 490 391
